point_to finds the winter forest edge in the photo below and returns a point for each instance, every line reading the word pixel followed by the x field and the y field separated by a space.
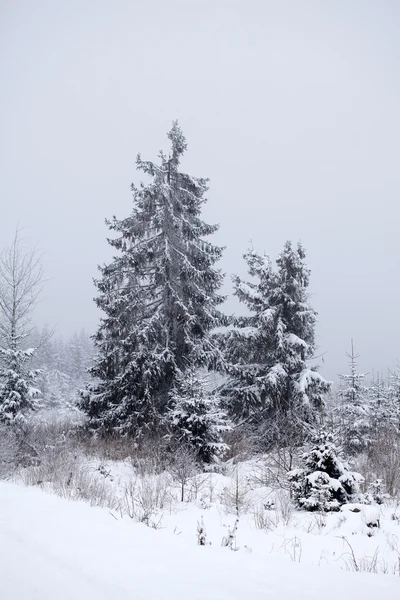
pixel 174 385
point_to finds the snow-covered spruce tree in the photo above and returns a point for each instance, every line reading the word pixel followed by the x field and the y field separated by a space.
pixel 271 383
pixel 43 357
pixel 196 417
pixel 159 296
pixel 325 482
pixel 382 419
pixel 20 285
pixel 18 393
pixel 353 414
pixel 394 395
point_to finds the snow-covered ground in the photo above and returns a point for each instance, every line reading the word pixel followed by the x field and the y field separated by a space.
pixel 54 548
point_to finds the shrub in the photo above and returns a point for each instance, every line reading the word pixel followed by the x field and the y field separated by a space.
pixel 325 482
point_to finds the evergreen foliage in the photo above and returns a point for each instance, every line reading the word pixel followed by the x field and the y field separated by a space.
pixel 353 409
pixel 394 395
pixel 20 285
pixel 196 417
pixel 382 413
pixel 159 297
pixel 63 366
pixel 325 482
pixel 18 395
pixel 377 493
pixel 271 382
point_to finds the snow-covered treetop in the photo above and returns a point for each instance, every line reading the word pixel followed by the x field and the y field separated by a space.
pixel 352 389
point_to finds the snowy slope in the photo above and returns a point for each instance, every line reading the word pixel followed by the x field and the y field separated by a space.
pixel 53 548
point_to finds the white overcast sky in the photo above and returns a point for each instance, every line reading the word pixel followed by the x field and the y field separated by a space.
pixel 290 107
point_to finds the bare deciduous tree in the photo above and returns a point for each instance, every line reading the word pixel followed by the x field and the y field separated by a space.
pixel 21 281
pixel 184 466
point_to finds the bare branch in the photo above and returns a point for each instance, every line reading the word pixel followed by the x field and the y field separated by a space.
pixel 21 282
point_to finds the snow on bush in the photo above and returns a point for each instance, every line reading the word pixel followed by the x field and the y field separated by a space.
pixel 325 483
pixel 377 492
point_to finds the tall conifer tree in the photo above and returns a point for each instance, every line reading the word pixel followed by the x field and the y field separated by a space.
pixel 159 297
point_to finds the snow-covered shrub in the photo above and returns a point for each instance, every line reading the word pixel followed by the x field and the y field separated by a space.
pixel 265 519
pixel 371 517
pixel 229 540
pixel 377 492
pixel 86 485
pixel 52 456
pixel 46 433
pixel 325 482
pixel 395 517
pixel 69 475
pixel 145 498
pixel 201 533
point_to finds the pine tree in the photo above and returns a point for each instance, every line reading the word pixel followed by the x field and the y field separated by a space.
pixel 353 414
pixel 271 381
pixel 382 419
pixel 42 358
pixel 18 393
pixel 196 416
pixel 325 482
pixel 394 394
pixel 159 296
pixel 20 285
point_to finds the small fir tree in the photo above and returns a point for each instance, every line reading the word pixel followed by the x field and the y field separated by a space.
pixel 196 417
pixel 353 413
pixel 325 482
pixel 20 285
pixel 380 409
pixel 18 394
pixel 377 492
pixel 394 394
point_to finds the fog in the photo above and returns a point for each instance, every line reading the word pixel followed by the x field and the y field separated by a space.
pixel 290 108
